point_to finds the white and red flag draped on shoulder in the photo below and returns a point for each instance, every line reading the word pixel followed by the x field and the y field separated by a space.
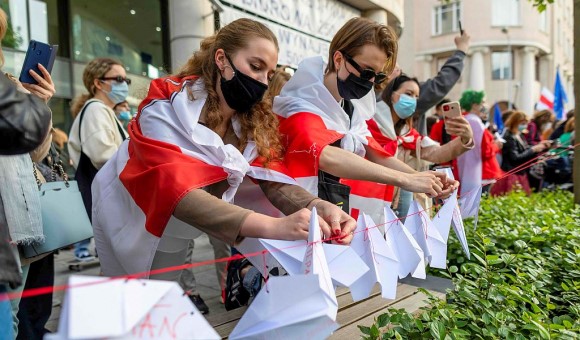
pixel 167 155
pixel 311 119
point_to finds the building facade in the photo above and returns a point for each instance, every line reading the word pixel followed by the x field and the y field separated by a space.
pixel 515 50
pixel 153 37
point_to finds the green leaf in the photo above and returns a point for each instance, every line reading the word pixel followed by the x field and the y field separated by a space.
pixel 437 330
pixel 453 269
pixel 383 320
pixel 543 331
pixel 364 329
pixel 375 331
pixel 419 325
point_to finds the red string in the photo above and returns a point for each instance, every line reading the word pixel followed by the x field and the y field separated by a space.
pixel 51 289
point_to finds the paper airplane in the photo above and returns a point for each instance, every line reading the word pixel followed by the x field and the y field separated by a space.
pixel 410 255
pixel 301 306
pixel 370 245
pixel 98 307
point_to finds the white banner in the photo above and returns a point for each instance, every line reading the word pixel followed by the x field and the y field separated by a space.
pixel 321 18
pixel 294 45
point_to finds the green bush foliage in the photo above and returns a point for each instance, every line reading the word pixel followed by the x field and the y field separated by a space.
pixel 522 282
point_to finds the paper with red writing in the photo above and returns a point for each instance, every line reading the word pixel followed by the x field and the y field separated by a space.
pixel 408 251
pixel 438 233
pixel 457 219
pixel 97 307
pixel 370 245
pixel 298 307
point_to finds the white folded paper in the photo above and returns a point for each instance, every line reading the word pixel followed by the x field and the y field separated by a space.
pixel 438 233
pixel 370 245
pixel 300 307
pixel 97 308
pixel 457 220
pixel 410 255
pixel 417 223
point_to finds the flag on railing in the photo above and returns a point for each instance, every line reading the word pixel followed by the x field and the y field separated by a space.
pixel 546 101
pixel 560 97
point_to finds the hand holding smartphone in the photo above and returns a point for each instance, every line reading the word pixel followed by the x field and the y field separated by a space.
pixel 37 53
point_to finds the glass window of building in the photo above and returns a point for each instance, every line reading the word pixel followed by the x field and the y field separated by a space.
pixel 501 65
pixel 505 12
pixel 543 21
pixel 129 31
pixel 445 18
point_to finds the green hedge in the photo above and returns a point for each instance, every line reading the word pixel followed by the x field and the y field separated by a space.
pixel 522 282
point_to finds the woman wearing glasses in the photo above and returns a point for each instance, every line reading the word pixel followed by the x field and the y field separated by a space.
pixel 96 133
pixel 325 109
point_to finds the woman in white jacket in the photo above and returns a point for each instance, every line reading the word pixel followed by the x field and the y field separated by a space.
pixel 96 133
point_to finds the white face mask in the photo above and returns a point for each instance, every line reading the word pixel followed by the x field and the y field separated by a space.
pixel 546 126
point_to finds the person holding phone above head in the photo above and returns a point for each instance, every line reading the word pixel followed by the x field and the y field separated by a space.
pixel 392 127
pixel 435 89
pixel 196 136
pixel 325 107
pixel 96 132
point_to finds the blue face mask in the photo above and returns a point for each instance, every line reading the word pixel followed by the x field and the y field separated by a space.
pixel 405 107
pixel 522 127
pixel 118 93
pixel 125 116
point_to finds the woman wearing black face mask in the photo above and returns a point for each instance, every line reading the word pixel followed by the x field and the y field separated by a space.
pixel 325 109
pixel 196 137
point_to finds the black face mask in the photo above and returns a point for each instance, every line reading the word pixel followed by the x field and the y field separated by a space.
pixel 353 87
pixel 242 92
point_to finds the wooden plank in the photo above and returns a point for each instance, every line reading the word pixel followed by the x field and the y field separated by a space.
pixel 376 303
pixel 432 283
pixel 225 317
pixel 345 301
pixel 411 304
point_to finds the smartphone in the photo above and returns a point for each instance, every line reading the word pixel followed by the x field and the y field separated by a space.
pixel 451 110
pixel 37 53
pixel 460 28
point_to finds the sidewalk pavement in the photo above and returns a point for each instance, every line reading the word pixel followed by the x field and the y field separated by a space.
pixel 205 277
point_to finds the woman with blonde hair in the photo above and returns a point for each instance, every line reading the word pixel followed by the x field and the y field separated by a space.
pixel 96 133
pixel 195 139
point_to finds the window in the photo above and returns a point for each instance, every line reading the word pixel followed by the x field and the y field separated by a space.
pixel 445 18
pixel 505 12
pixel 543 21
pixel 501 65
pixel 129 31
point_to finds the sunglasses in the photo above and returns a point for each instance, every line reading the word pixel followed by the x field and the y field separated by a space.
pixel 118 79
pixel 366 73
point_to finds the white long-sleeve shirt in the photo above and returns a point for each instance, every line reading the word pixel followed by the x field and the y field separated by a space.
pixel 100 134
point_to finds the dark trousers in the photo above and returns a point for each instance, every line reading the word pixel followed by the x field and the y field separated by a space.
pixel 35 311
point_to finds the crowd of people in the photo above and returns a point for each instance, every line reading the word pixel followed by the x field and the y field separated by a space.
pixel 232 146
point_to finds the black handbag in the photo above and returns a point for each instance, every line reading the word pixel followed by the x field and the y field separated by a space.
pixel 86 171
pixel 331 190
